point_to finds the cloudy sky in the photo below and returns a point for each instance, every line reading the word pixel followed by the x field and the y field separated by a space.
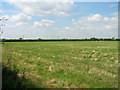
pixel 51 20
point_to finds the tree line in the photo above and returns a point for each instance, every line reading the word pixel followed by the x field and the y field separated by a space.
pixel 39 39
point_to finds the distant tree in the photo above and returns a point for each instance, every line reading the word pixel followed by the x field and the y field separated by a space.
pixel 20 38
pixel 113 38
pixel 3 40
pixel 101 39
pixel 39 38
pixel 92 39
pixel 64 39
pixel 85 38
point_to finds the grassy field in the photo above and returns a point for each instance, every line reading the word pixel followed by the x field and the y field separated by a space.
pixel 69 64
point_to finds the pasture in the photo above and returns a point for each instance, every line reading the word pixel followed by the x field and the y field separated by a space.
pixel 60 64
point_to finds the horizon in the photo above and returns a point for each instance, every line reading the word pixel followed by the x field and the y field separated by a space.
pixel 55 38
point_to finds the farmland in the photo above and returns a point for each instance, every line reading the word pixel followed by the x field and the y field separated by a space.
pixel 60 64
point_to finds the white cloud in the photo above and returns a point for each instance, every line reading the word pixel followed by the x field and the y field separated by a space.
pixel 44 7
pixel 62 0
pixel 39 1
pixel 43 23
pixel 96 17
pixel 114 13
pixel 91 26
pixel 16 25
pixel 18 18
pixel 113 5
pixel 97 22
pixel 108 27
pixel 21 23
pixel 68 28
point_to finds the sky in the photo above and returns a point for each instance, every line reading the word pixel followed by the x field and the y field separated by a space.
pixel 58 20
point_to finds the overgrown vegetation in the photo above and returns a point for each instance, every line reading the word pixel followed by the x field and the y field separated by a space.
pixel 87 64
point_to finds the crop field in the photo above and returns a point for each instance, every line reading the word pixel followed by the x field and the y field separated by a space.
pixel 60 64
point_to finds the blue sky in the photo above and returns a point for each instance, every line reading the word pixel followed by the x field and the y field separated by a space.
pixel 63 20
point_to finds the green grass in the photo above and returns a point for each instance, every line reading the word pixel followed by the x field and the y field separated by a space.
pixel 65 64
